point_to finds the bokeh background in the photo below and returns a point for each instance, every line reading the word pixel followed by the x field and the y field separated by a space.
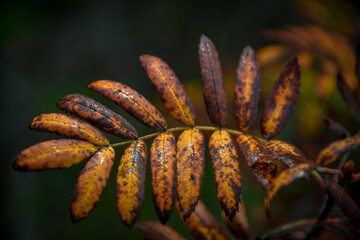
pixel 53 48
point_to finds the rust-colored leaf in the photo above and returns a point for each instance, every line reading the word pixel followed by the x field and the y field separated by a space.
pixel 53 154
pixel 239 226
pixel 247 90
pixel 212 82
pixel 265 170
pixel 68 127
pixel 99 115
pixel 351 97
pixel 131 182
pixel 335 126
pixel 132 102
pixel 190 169
pixel 156 231
pixel 91 183
pixel 251 148
pixel 169 89
pixel 203 224
pixel 343 200
pixel 286 152
pixel 332 152
pixel 163 174
pixel 285 178
pixel 281 101
pixel 226 168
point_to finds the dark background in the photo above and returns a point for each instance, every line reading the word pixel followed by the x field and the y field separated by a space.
pixel 53 48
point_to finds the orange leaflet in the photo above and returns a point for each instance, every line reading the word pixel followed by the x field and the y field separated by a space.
pixel 163 174
pixel 155 230
pixel 226 168
pixel 281 101
pixel 131 182
pixel 265 170
pixel 91 183
pixel 251 148
pixel 286 152
pixel 332 152
pixel 247 90
pixel 213 82
pixel 190 169
pixel 99 115
pixel 343 200
pixel 285 178
pixel 239 226
pixel 132 102
pixel 53 154
pixel 169 89
pixel 68 127
pixel 203 225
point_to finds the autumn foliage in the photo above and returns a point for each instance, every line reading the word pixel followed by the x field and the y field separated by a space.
pixel 177 165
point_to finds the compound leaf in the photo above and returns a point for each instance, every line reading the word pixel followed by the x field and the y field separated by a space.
pixel 212 82
pixel 99 115
pixel 91 183
pixel 226 168
pixel 131 182
pixel 156 231
pixel 281 101
pixel 169 89
pixel 132 102
pixel 163 174
pixel 247 90
pixel 53 154
pixel 68 127
pixel 190 169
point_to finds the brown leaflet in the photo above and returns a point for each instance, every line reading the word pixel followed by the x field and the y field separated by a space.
pixel 247 90
pixel 213 82
pixel 169 89
pixel 286 152
pixel 285 178
pixel 156 231
pixel 163 174
pixel 225 162
pixel 281 101
pixel 239 226
pixel 332 152
pixel 99 115
pixel 203 224
pixel 132 102
pixel 350 96
pixel 131 182
pixel 265 170
pixel 335 126
pixel 68 127
pixel 91 183
pixel 190 169
pixel 53 154
pixel 251 148
pixel 343 201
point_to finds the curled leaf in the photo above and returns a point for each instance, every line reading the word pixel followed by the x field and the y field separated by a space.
pixel 132 102
pixel 251 148
pixel 68 127
pixel 281 101
pixel 265 170
pixel 286 152
pixel 169 89
pixel 203 225
pixel 99 115
pixel 91 183
pixel 190 169
pixel 131 182
pixel 239 226
pixel 247 90
pixel 212 82
pixel 53 154
pixel 156 231
pixel 350 96
pixel 285 178
pixel 226 170
pixel 163 174
pixel 332 152
pixel 335 126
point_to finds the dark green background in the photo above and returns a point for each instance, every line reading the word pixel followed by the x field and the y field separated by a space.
pixel 53 48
